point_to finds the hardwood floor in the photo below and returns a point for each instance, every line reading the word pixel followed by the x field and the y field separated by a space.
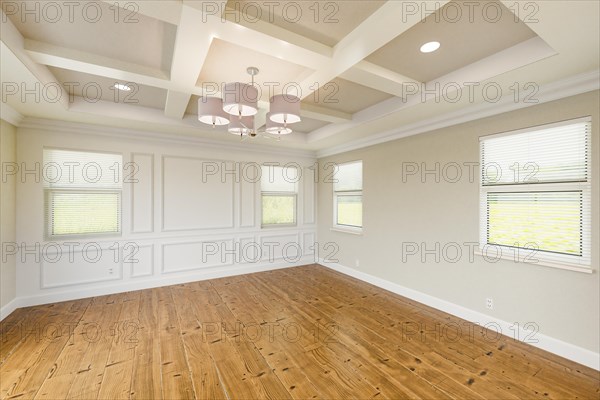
pixel 305 332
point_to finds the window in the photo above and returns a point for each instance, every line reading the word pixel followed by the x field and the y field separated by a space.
pixel 279 192
pixel 82 193
pixel 535 193
pixel 347 196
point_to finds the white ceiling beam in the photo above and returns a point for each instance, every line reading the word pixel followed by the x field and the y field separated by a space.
pixel 61 57
pixel 267 44
pixel 524 53
pixel 261 36
pixel 232 22
pixel 319 52
pixel 10 115
pixel 191 48
pixel 231 25
pixel 115 69
pixel 14 41
pixel 324 114
pixel 176 104
pixel 371 75
pixel 166 11
pixel 519 55
pixel 384 25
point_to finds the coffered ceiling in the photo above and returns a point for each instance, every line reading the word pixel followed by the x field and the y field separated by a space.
pixel 355 64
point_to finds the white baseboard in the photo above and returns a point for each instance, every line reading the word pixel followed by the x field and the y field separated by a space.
pixel 9 308
pixel 158 281
pixel 556 346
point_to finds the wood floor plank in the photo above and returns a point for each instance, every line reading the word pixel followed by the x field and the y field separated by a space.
pixel 176 380
pixel 256 369
pixel 35 358
pixel 303 332
pixel 12 332
pixel 116 380
pixel 205 377
pixel 295 364
pixel 258 329
pixel 146 382
pixel 256 319
pixel 417 387
pixel 60 379
pixel 344 366
pixel 99 334
pixel 510 385
pixel 491 359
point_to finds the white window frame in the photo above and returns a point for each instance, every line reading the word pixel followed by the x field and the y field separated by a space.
pixel 340 193
pixel 524 255
pixel 48 198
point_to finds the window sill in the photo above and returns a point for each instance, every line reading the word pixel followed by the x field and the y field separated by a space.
pixel 84 237
pixel 275 226
pixel 352 231
pixel 543 263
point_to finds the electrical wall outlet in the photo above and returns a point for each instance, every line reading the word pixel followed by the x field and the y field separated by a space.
pixel 489 303
pixel 357 262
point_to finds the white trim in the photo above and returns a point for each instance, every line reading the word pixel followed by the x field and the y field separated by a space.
pixel 353 230
pixel 158 281
pixel 177 269
pixel 162 194
pixel 571 86
pixel 135 134
pixel 551 125
pixel 556 346
pixel 132 263
pixel 10 307
pixel 540 262
pixel 10 115
pixel 132 194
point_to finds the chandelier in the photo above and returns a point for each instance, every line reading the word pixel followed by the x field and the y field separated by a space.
pixel 239 105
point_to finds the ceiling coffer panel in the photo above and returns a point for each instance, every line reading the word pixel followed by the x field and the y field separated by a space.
pixel 325 22
pixel 467 31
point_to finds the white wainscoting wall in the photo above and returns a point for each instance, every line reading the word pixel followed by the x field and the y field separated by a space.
pixel 180 222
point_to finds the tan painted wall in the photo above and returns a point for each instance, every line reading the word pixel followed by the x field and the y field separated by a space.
pixel 565 304
pixel 8 153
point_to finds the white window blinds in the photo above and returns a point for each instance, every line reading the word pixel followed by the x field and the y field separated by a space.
pixel 279 179
pixel 536 191
pixel 347 196
pixel 82 193
pixel 69 169
pixel 348 177
pixel 556 154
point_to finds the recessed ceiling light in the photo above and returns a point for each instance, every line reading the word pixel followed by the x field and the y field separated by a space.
pixel 430 47
pixel 122 87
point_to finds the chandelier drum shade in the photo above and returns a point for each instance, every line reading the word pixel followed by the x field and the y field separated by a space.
pixel 285 109
pixel 239 104
pixel 241 126
pixel 240 99
pixel 275 128
pixel 210 111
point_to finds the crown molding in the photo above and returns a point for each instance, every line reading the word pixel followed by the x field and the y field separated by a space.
pixel 571 86
pixel 10 115
pixel 568 87
pixel 106 131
